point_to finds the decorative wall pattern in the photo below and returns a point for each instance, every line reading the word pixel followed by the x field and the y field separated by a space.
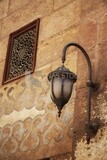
pixel 29 120
pixel 32 134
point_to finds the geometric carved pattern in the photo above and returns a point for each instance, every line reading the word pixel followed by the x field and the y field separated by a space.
pixel 21 53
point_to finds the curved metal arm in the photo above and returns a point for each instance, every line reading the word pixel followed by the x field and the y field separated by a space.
pixel 90 84
pixel 84 53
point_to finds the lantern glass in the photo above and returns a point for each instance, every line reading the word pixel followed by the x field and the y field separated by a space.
pixel 62 80
pixel 61 88
pixel 56 89
pixel 67 88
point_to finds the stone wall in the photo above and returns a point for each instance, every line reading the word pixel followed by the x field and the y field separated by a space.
pixel 93 37
pixel 29 126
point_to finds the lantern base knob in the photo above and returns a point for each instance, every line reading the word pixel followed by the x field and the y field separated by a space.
pixel 59 113
pixel 93 85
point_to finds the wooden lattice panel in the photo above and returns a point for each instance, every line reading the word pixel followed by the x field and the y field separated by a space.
pixel 21 52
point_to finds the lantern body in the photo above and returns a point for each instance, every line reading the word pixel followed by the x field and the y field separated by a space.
pixel 62 80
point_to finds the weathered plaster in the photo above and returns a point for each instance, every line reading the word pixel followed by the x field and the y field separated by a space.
pixel 97 149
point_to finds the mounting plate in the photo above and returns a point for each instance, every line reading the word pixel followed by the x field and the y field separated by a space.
pixel 93 85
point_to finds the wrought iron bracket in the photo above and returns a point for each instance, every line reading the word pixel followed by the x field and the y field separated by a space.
pixel 62 71
pixel 93 85
pixel 92 128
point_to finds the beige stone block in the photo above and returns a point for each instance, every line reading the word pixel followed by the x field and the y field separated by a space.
pixel 60 3
pixel 60 20
pixel 15 5
pixel 26 15
pixel 3 8
pixel 0 28
pixel 90 3
pixel 103 29
pixel 3 48
pixel 71 61
pixel 101 63
pixel 89 30
pixel 51 49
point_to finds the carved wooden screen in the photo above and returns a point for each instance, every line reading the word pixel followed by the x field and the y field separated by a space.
pixel 21 52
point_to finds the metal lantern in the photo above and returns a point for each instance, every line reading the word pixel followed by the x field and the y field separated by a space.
pixel 62 80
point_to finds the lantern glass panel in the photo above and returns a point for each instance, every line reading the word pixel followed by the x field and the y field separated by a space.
pixel 57 85
pixel 67 88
